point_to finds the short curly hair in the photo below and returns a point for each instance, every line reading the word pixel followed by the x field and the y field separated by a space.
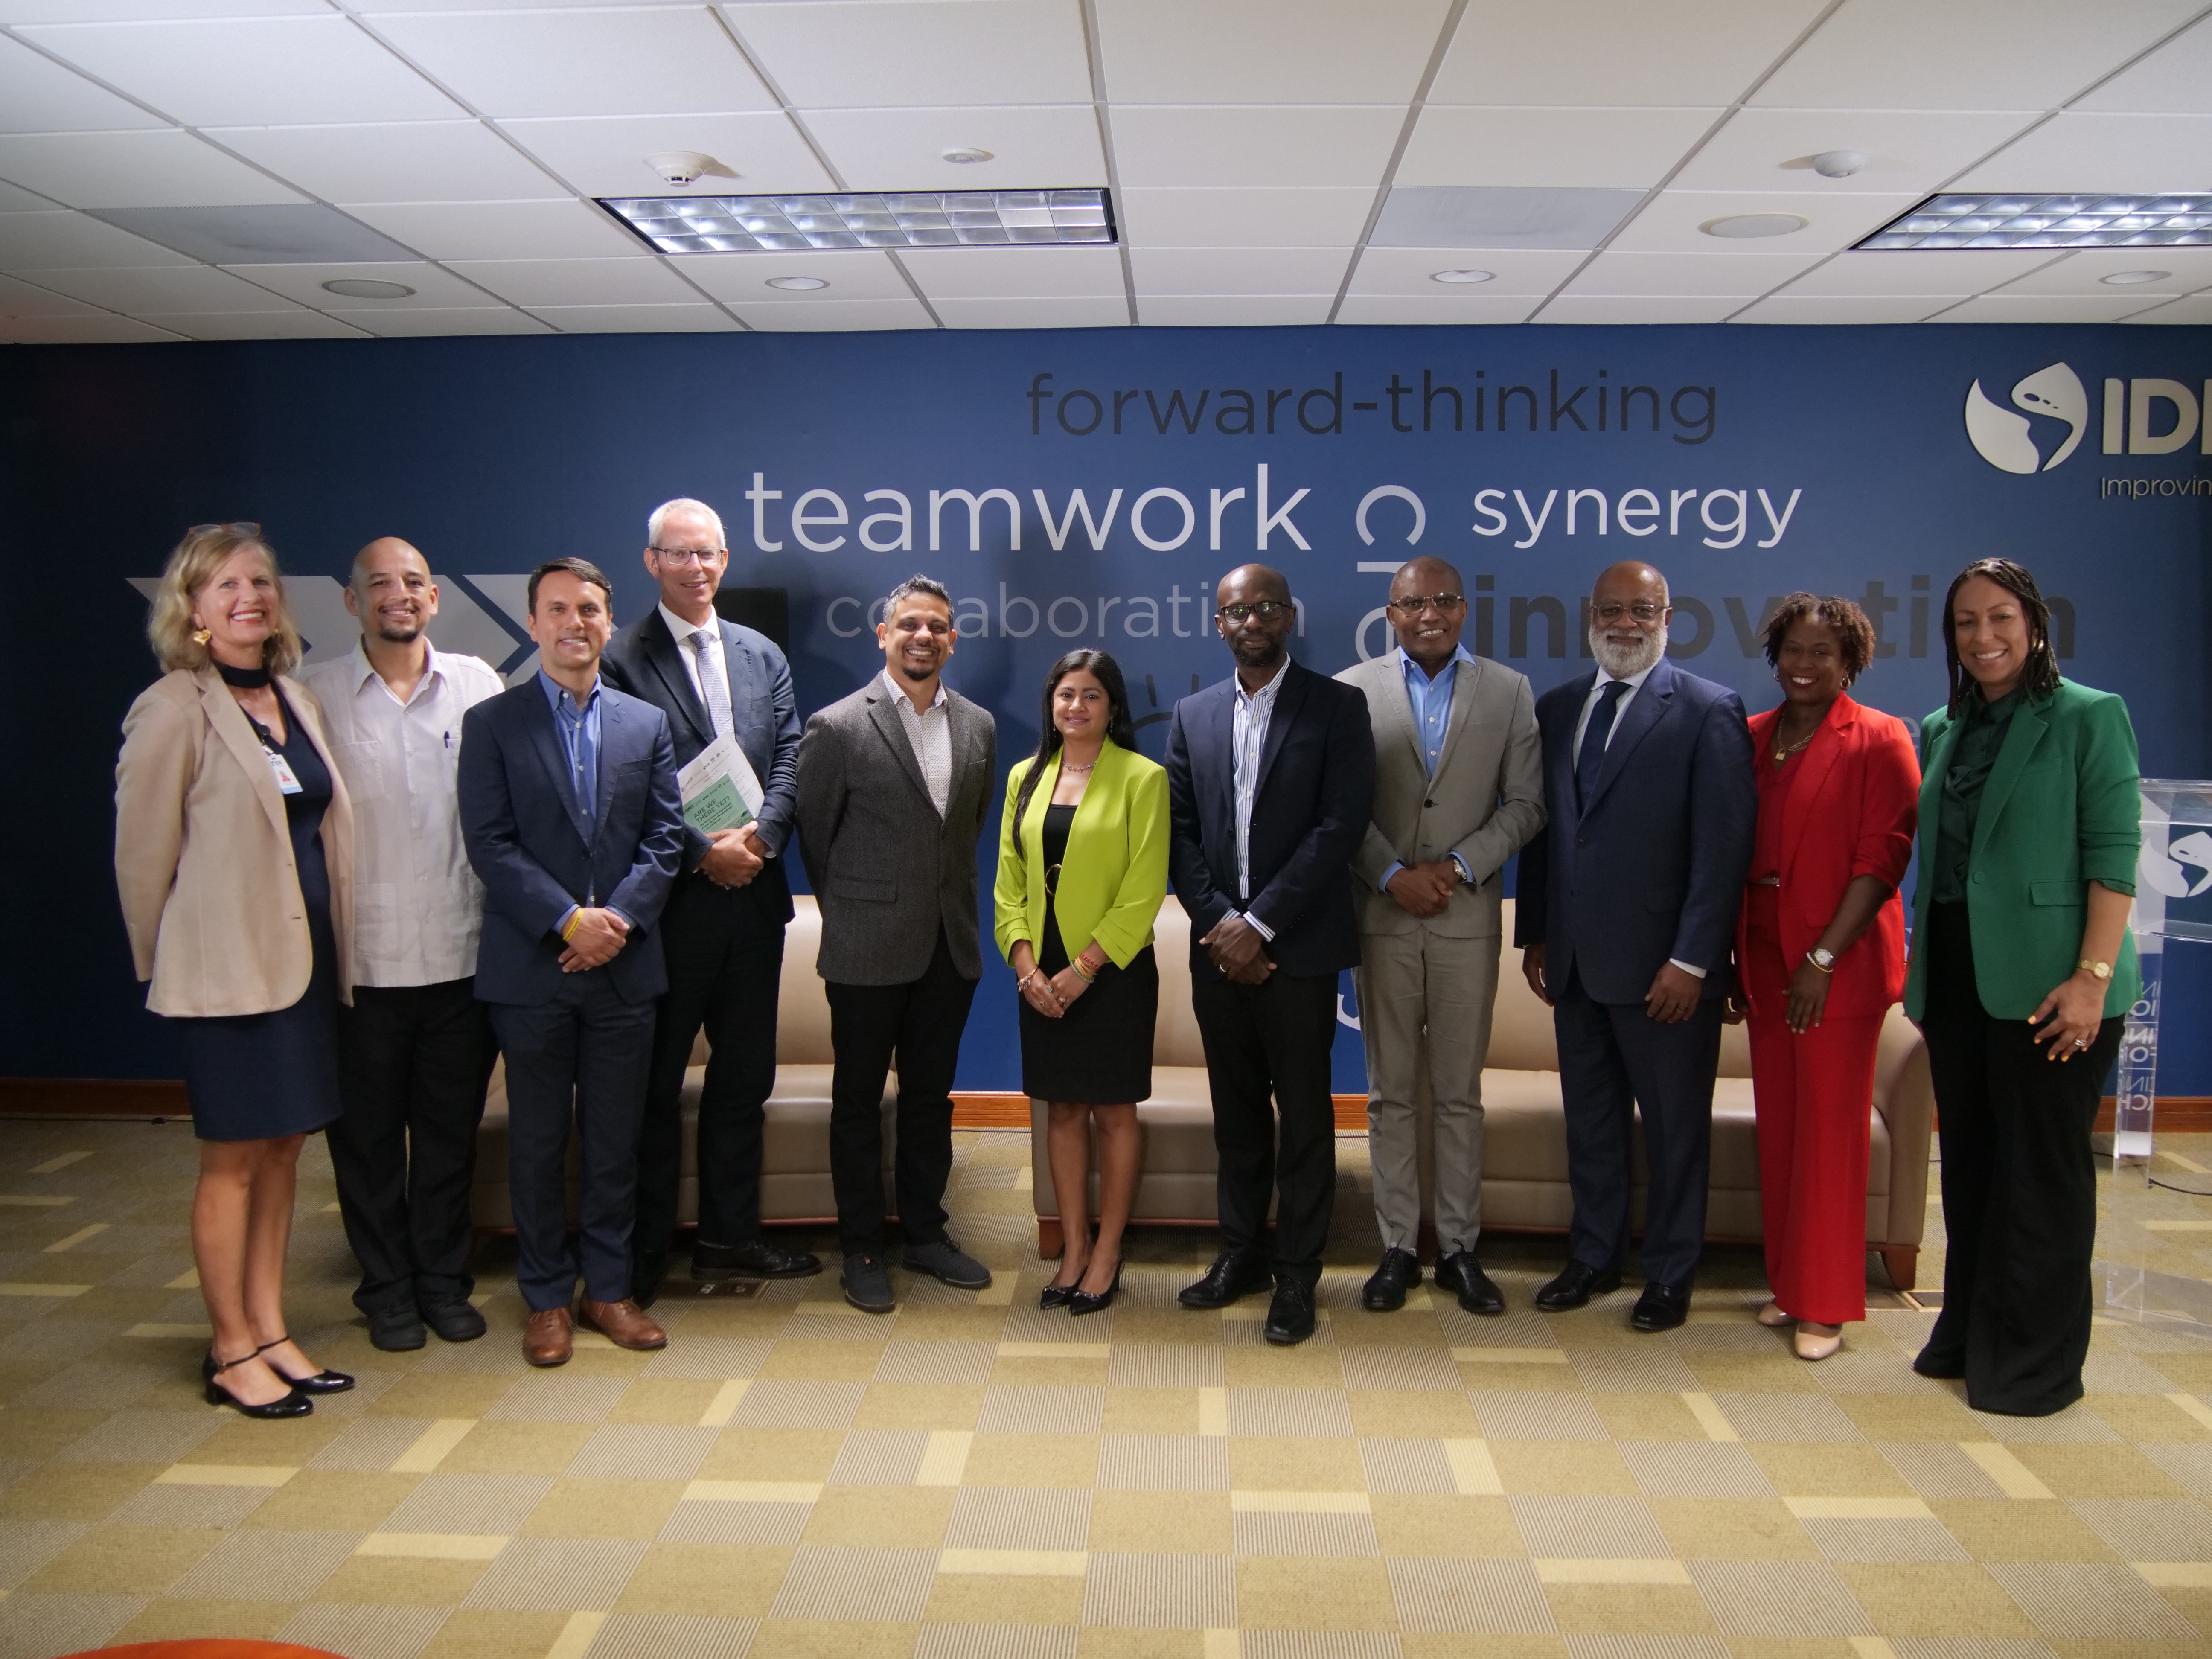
pixel 1853 631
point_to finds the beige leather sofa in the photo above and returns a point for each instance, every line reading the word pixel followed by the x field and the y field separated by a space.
pixel 1524 1187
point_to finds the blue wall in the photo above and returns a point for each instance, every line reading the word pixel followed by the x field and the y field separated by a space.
pixel 1832 458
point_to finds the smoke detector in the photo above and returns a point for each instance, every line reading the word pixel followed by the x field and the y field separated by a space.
pixel 681 166
pixel 1838 163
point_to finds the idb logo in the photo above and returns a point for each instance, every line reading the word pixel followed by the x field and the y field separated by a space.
pixel 2009 441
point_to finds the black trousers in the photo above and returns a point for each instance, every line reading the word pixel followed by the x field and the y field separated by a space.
pixel 920 1023
pixel 725 955
pixel 2020 1188
pixel 1266 1052
pixel 580 1063
pixel 1616 1061
pixel 413 1064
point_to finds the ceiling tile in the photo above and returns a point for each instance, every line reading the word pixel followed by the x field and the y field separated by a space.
pixel 1670 223
pixel 1279 146
pixel 2103 153
pixel 634 60
pixel 15 200
pixel 1215 310
pixel 19 299
pixel 605 155
pixel 1587 149
pixel 38 95
pixel 2188 268
pixel 1965 54
pixel 256 326
pixel 285 234
pixel 1016 273
pixel 410 325
pixel 164 288
pixel 843 316
pixel 541 283
pixel 1097 312
pixel 1036 148
pixel 435 289
pixel 264 71
pixel 417 161
pixel 638 319
pixel 1243 218
pixel 2107 307
pixel 1706 274
pixel 496 230
pixel 94 328
pixel 13 12
pixel 2195 312
pixel 1905 149
pixel 1238 269
pixel 1794 308
pixel 33 241
pixel 2175 80
pixel 1624 308
pixel 848 55
pixel 1616 51
pixel 1266 52
pixel 1911 271
pixel 134 169
pixel 1445 308
pixel 1409 273
pixel 852 274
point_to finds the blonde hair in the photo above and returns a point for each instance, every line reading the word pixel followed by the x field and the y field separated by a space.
pixel 205 550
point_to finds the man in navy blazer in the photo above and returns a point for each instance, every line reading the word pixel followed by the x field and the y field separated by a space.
pixel 722 933
pixel 1271 780
pixel 571 820
pixel 1625 913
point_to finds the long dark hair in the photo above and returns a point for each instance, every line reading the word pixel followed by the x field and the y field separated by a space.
pixel 1100 666
pixel 2039 677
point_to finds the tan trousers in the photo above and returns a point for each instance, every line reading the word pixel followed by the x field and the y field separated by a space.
pixel 1424 1007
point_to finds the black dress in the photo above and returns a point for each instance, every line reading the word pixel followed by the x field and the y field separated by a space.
pixel 1099 1053
pixel 256 1077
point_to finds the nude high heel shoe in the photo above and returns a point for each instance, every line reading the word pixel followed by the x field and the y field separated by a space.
pixel 1818 1341
pixel 1772 1317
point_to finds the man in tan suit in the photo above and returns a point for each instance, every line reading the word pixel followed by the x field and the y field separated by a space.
pixel 1458 790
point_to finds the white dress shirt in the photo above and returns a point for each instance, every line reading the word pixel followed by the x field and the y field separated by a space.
pixel 417 906
pixel 930 734
pixel 1255 710
pixel 713 685
pixel 1635 683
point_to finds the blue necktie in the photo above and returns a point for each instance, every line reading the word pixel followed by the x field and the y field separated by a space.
pixel 1600 727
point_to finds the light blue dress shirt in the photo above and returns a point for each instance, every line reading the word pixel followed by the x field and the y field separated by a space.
pixel 1432 700
pixel 579 725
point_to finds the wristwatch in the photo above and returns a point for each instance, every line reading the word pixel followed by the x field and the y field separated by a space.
pixel 2095 969
pixel 1822 958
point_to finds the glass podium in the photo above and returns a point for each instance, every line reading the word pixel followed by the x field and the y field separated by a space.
pixel 2173 901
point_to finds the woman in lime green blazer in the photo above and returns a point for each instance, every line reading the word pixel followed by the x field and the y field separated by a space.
pixel 2021 972
pixel 1083 868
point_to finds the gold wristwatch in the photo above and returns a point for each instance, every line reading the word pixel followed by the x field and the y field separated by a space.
pixel 2095 969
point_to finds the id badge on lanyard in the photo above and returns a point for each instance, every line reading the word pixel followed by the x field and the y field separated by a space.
pixel 287 780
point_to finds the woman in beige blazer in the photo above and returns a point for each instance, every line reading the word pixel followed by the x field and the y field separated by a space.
pixel 233 855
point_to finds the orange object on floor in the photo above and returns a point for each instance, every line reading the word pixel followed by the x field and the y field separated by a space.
pixel 208 1647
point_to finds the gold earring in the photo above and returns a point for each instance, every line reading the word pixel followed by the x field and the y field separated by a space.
pixel 201 636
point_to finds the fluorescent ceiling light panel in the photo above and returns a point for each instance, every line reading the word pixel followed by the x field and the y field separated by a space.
pixel 2072 221
pixel 758 224
pixel 1472 216
pixel 306 234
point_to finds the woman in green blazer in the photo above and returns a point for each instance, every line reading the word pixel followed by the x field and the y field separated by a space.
pixel 2021 972
pixel 1083 868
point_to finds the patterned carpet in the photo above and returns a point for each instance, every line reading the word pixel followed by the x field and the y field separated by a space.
pixel 974 1480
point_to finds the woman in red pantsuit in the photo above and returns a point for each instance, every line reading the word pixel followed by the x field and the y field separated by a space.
pixel 1820 954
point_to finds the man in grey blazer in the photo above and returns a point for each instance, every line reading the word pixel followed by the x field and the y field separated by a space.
pixel 893 784
pixel 1459 789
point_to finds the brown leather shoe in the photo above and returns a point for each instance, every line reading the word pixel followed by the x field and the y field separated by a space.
pixel 622 1323
pixel 546 1339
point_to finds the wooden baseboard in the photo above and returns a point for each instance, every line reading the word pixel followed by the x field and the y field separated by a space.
pixel 2173 1114
pixel 977 1110
pixel 93 1097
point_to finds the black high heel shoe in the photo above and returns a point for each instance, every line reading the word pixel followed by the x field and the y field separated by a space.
pixel 1055 1296
pixel 320 1383
pixel 1083 1303
pixel 294 1404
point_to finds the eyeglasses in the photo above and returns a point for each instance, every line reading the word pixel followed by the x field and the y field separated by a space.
pixel 1643 611
pixel 1416 605
pixel 680 556
pixel 1265 610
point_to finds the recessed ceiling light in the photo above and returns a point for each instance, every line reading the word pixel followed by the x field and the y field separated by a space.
pixel 754 224
pixel 967 157
pixel 361 288
pixel 2082 220
pixel 2130 278
pixel 798 284
pixel 1461 276
pixel 1738 226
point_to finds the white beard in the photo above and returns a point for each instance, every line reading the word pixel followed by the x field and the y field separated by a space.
pixel 1634 660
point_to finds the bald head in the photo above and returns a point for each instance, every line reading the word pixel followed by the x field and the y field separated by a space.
pixel 1251 582
pixel 1427 574
pixel 391 591
pixel 1631 574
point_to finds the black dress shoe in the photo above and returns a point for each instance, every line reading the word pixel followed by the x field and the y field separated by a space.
pixel 646 1269
pixel 1386 1287
pixel 455 1320
pixel 1291 1314
pixel 294 1404
pixel 758 1259
pixel 1660 1307
pixel 1577 1283
pixel 1461 1274
pixel 1231 1277
pixel 1083 1301
pixel 323 1382
pixel 396 1330
pixel 1054 1296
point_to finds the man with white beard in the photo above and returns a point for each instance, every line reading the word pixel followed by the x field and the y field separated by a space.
pixel 1626 914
